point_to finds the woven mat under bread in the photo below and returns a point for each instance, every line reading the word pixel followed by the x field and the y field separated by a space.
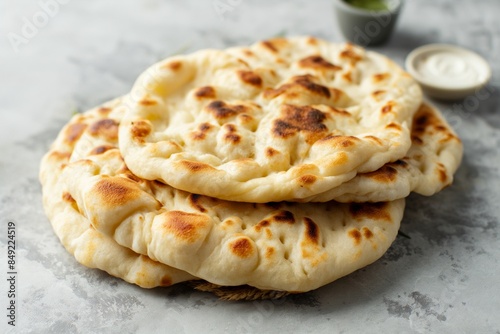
pixel 241 292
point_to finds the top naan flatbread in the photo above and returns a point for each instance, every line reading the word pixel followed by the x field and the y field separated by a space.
pixel 283 119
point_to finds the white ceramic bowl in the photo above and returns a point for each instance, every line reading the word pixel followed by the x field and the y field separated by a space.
pixel 448 72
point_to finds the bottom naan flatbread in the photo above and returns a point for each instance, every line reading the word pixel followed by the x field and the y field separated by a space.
pixel 277 246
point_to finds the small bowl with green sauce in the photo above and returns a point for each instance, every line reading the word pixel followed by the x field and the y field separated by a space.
pixel 367 22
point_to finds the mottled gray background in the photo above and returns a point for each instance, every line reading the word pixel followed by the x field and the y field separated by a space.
pixel 445 279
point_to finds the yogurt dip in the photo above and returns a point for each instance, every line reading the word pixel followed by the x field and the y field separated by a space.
pixel 448 70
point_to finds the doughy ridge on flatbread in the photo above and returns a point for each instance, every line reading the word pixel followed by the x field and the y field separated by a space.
pixel 428 166
pixel 90 247
pixel 283 119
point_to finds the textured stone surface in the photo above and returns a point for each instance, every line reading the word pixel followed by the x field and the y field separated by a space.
pixel 445 279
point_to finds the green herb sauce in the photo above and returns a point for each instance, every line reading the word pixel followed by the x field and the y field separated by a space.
pixel 369 4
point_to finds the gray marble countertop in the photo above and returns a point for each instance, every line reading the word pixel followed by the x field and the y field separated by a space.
pixel 445 279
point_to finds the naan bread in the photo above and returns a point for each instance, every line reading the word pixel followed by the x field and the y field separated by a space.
pixel 274 246
pixel 90 247
pixel 283 119
pixel 428 167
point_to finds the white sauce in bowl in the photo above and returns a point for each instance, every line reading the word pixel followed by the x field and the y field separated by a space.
pixel 448 67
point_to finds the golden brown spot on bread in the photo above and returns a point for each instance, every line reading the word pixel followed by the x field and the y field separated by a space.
pixel 147 103
pixel 231 136
pixel 107 128
pixel 194 166
pixel 205 92
pixel 347 76
pixel 425 121
pixel 174 65
pixel 338 112
pixel 269 233
pixel 202 131
pixel 318 62
pixel 312 41
pixel 355 234
pixel 270 46
pixel 448 136
pixel 441 170
pixel 377 94
pixel 306 82
pixel 104 110
pixel 67 197
pixel 385 174
pixel 184 225
pixel 340 142
pixel 245 119
pixel 248 53
pixel 269 252
pixel 74 132
pixel 312 230
pixel 221 110
pixel 228 222
pixel 350 55
pixel 336 94
pixel 194 201
pixel 59 156
pixel 241 247
pixel 339 159
pixel 379 77
pixel 230 127
pixel 140 129
pixel 388 107
pixel 295 119
pixel 375 211
pixel 394 126
pixel 281 61
pixel 283 216
pixel 166 281
pixel 296 86
pixel 271 152
pixel 250 78
pixel 116 191
pixel 307 179
pixel 260 225
pixel 421 122
pixel 101 149
pixel 367 233
pixel 377 140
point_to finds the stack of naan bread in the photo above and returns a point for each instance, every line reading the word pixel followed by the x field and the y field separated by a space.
pixel 254 171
